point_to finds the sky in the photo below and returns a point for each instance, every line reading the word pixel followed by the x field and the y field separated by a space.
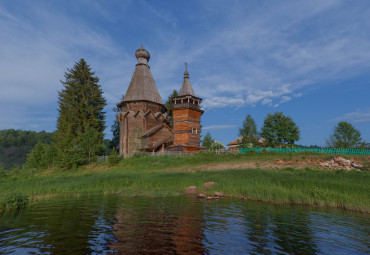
pixel 307 59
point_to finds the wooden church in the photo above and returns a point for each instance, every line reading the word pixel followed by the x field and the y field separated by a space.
pixel 143 118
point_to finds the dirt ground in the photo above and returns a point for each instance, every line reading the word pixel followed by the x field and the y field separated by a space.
pixel 298 163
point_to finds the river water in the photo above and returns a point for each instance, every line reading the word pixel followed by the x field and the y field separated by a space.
pixel 180 225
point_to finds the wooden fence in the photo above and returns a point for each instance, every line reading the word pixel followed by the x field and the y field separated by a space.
pixel 317 150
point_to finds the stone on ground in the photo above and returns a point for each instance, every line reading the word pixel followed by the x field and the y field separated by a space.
pixel 208 185
pixel 218 194
pixel 191 189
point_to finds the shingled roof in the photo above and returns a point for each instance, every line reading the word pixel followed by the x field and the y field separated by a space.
pixel 142 86
pixel 186 89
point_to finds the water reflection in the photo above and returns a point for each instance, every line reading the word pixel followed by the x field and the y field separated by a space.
pixel 159 226
pixel 180 225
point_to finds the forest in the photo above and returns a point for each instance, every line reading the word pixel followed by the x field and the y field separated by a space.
pixel 16 144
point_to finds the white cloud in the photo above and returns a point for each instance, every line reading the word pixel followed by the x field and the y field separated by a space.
pixel 36 55
pixel 219 127
pixel 266 101
pixel 239 54
pixel 285 99
pixel 356 117
pixel 297 43
pixel 219 102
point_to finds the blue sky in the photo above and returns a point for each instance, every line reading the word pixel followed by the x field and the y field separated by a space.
pixel 308 59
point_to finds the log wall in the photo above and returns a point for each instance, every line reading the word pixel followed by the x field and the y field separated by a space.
pixel 186 125
pixel 137 122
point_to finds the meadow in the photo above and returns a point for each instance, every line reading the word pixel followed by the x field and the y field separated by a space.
pixel 169 175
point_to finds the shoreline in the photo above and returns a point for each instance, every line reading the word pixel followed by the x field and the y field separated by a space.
pixel 168 176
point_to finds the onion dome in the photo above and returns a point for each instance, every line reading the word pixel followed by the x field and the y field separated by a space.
pixel 142 55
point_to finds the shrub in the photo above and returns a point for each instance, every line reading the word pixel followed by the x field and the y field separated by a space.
pixel 217 146
pixel 113 158
pixel 72 158
pixel 15 200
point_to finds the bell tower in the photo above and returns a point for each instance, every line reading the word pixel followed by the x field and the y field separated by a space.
pixel 186 118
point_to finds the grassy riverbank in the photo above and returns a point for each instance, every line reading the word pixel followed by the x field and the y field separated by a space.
pixel 169 175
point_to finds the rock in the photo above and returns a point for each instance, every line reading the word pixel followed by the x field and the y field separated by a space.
pixel 208 185
pixel 356 165
pixel 324 164
pixel 218 194
pixel 201 195
pixel 338 160
pixel 347 163
pixel 216 197
pixel 340 163
pixel 210 198
pixel 191 189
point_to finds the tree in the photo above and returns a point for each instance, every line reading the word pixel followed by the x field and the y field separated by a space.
pixel 42 156
pixel 50 154
pixel 248 132
pixel 207 141
pixel 345 136
pixel 113 158
pixel 81 104
pixel 90 143
pixel 169 105
pixel 115 128
pixel 217 146
pixel 35 159
pixel 279 129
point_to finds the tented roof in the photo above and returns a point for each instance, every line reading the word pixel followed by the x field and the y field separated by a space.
pixel 142 86
pixel 186 89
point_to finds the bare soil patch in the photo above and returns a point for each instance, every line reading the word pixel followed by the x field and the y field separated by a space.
pixel 296 163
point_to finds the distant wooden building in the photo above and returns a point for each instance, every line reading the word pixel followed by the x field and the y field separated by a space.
pixel 143 117
pixel 234 145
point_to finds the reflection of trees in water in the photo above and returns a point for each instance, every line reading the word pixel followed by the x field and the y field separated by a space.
pixel 356 225
pixel 366 230
pixel 57 227
pixel 257 222
pixel 288 228
pixel 336 227
pixel 175 225
pixel 159 226
pixel 292 231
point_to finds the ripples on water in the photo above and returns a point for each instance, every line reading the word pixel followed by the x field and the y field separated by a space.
pixel 180 225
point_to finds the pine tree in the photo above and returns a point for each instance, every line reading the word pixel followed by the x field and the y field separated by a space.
pixel 207 141
pixel 91 144
pixel 81 104
pixel 169 105
pixel 249 132
pixel 115 129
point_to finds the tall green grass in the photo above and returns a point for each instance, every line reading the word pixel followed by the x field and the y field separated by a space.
pixel 158 176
